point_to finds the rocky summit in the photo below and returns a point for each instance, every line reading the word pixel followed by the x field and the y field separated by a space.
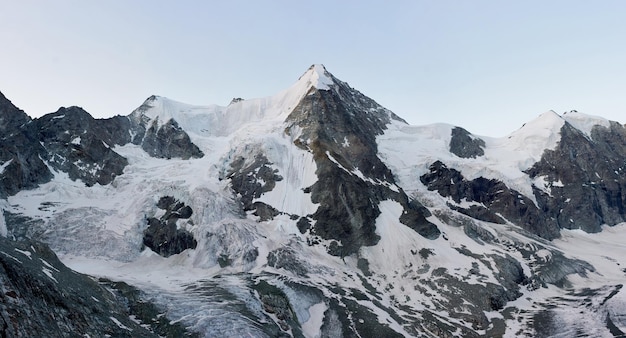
pixel 315 212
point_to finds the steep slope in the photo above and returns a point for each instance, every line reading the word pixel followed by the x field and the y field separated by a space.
pixel 42 297
pixel 317 212
pixel 21 166
pixel 339 125
pixel 587 188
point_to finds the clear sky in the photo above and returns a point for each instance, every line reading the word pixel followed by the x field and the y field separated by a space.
pixel 488 66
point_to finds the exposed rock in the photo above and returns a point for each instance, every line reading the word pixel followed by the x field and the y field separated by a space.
pixel 492 198
pixel 352 180
pixel 286 258
pixel 20 151
pixel 235 100
pixel 11 117
pixel 79 145
pixel 163 235
pixel 251 177
pixel 162 139
pixel 463 144
pixel 275 302
pixel 41 297
pixel 585 178
pixel 142 309
pixel 169 141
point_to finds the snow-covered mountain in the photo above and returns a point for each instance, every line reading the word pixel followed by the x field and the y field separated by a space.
pixel 315 212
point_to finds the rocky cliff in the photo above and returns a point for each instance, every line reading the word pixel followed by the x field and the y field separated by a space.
pixel 313 212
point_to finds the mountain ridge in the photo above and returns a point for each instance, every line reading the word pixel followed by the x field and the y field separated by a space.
pixel 317 211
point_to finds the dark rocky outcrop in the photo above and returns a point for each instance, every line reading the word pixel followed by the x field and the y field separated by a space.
pixel 80 145
pixel 41 297
pixel 286 258
pixel 162 139
pixel 339 126
pixel 251 178
pixel 163 235
pixel 586 177
pixel 72 141
pixel 169 141
pixel 463 144
pixel 21 166
pixel 275 302
pixel 11 117
pixel 494 199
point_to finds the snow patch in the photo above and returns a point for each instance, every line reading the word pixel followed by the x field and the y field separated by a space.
pixel 48 273
pixel 25 253
pixel 119 324
pixel 312 327
pixel 584 122
pixel 318 77
pixel 48 265
pixel 3 225
pixel 4 165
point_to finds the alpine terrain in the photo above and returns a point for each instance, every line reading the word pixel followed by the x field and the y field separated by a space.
pixel 315 212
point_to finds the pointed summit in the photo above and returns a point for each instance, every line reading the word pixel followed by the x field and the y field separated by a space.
pixel 317 76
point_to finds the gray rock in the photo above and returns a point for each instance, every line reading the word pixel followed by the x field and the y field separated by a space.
pixel 251 178
pixel 496 199
pixel 80 145
pixel 162 235
pixel 161 139
pixel 348 207
pixel 20 151
pixel 463 144
pixel 591 188
pixel 41 297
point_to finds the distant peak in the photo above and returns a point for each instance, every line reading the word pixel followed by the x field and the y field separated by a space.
pixel 235 100
pixel 547 119
pixel 550 114
pixel 318 77
pixel 152 98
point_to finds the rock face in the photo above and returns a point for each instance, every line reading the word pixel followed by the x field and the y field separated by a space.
pixel 22 167
pixel 316 212
pixel 490 200
pixel 43 298
pixel 251 180
pixel 79 145
pixel 339 126
pixel 585 178
pixel 162 139
pixel 163 235
pixel 72 141
pixel 463 144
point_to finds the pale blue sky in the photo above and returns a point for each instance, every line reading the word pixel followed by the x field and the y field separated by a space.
pixel 488 66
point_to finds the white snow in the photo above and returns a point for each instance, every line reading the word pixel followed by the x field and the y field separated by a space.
pixel 25 253
pixel 584 122
pixel 249 117
pixel 48 273
pixel 48 265
pixel 119 324
pixel 410 150
pixel 312 327
pixel 75 140
pixel 318 77
pixel 4 165
pixel 3 226
pixel 98 230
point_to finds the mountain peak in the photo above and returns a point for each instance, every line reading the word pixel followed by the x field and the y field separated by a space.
pixel 317 76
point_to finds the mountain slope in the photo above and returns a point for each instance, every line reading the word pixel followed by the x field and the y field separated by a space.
pixel 317 212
